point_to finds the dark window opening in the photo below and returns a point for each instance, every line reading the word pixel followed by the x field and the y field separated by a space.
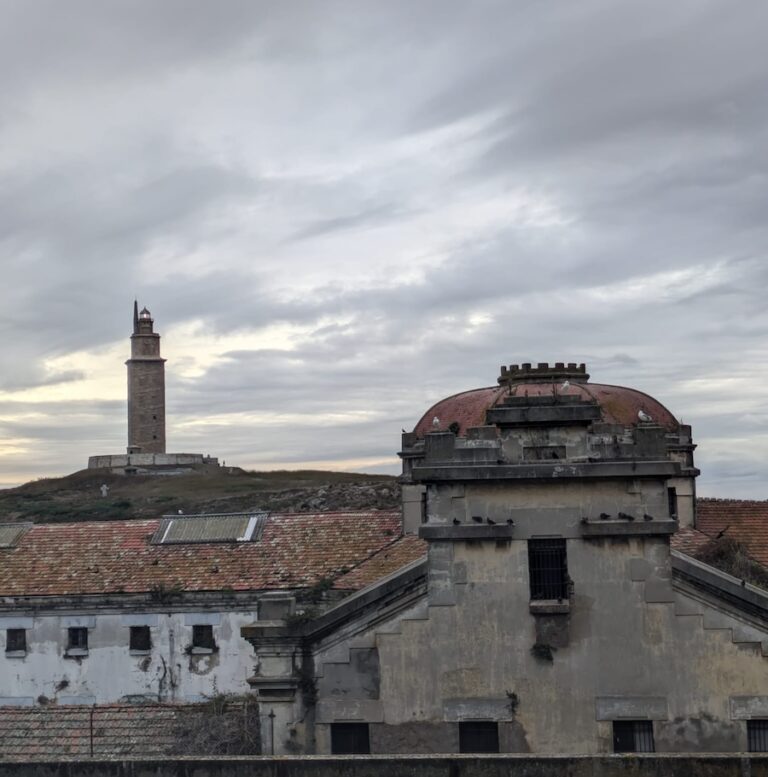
pixel 16 641
pixel 633 736
pixel 672 502
pixel 350 739
pixel 757 736
pixel 548 569
pixel 141 638
pixel 479 736
pixel 202 637
pixel 543 452
pixel 424 507
pixel 77 638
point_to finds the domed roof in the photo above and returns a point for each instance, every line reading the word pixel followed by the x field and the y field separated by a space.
pixel 618 405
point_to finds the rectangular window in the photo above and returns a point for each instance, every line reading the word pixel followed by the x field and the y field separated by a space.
pixel 16 641
pixel 350 739
pixel 479 736
pixel 202 637
pixel 77 638
pixel 757 736
pixel 672 502
pixel 548 569
pixel 140 638
pixel 633 736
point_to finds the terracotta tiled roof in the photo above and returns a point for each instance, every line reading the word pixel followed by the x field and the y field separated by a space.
pixel 407 549
pixel 618 405
pixel 295 550
pixel 40 733
pixel 689 540
pixel 743 520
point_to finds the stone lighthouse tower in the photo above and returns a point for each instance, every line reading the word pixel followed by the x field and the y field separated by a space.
pixel 146 387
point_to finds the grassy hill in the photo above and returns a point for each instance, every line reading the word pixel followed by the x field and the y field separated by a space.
pixel 77 497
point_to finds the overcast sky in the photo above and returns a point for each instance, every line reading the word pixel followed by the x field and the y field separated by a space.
pixel 340 212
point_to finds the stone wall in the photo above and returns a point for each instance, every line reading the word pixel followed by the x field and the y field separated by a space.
pixel 139 462
pixel 739 765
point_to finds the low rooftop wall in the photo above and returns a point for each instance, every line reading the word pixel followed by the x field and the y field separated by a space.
pixel 141 461
pixel 679 765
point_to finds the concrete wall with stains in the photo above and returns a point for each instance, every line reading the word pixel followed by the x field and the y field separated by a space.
pixel 171 671
pixel 632 645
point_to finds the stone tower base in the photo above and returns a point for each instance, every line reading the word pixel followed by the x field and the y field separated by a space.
pixel 154 463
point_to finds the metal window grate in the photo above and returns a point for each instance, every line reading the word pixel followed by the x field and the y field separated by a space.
pixel 757 736
pixel 633 736
pixel 548 569
pixel 350 739
pixel 77 638
pixel 478 736
pixel 15 640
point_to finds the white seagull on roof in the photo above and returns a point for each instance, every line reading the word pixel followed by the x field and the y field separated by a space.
pixel 435 422
pixel 643 416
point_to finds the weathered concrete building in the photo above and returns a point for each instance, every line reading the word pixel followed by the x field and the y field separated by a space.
pixel 551 614
pixel 531 599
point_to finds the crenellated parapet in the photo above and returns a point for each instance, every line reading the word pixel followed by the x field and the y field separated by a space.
pixel 543 371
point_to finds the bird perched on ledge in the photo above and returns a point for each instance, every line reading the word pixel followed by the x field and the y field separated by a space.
pixel 644 417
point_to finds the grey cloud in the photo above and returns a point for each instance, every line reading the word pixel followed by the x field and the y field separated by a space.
pixel 263 144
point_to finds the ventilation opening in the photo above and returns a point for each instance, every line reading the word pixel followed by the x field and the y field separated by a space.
pixel 479 736
pixel 350 739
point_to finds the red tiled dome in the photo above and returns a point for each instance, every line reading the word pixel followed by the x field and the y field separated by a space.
pixel 619 405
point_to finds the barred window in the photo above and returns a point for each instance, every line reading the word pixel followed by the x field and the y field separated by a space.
pixel 16 641
pixel 77 638
pixel 757 736
pixel 633 736
pixel 548 569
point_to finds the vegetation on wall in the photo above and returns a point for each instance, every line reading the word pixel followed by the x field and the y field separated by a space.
pixel 226 724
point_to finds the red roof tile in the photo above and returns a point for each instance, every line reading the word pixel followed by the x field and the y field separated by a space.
pixel 295 551
pixel 689 540
pixel 388 560
pixel 40 733
pixel 740 519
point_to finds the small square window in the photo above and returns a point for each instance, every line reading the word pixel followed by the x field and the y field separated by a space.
pixel 633 736
pixel 479 736
pixel 77 638
pixel 16 641
pixel 757 736
pixel 202 637
pixel 140 638
pixel 350 739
